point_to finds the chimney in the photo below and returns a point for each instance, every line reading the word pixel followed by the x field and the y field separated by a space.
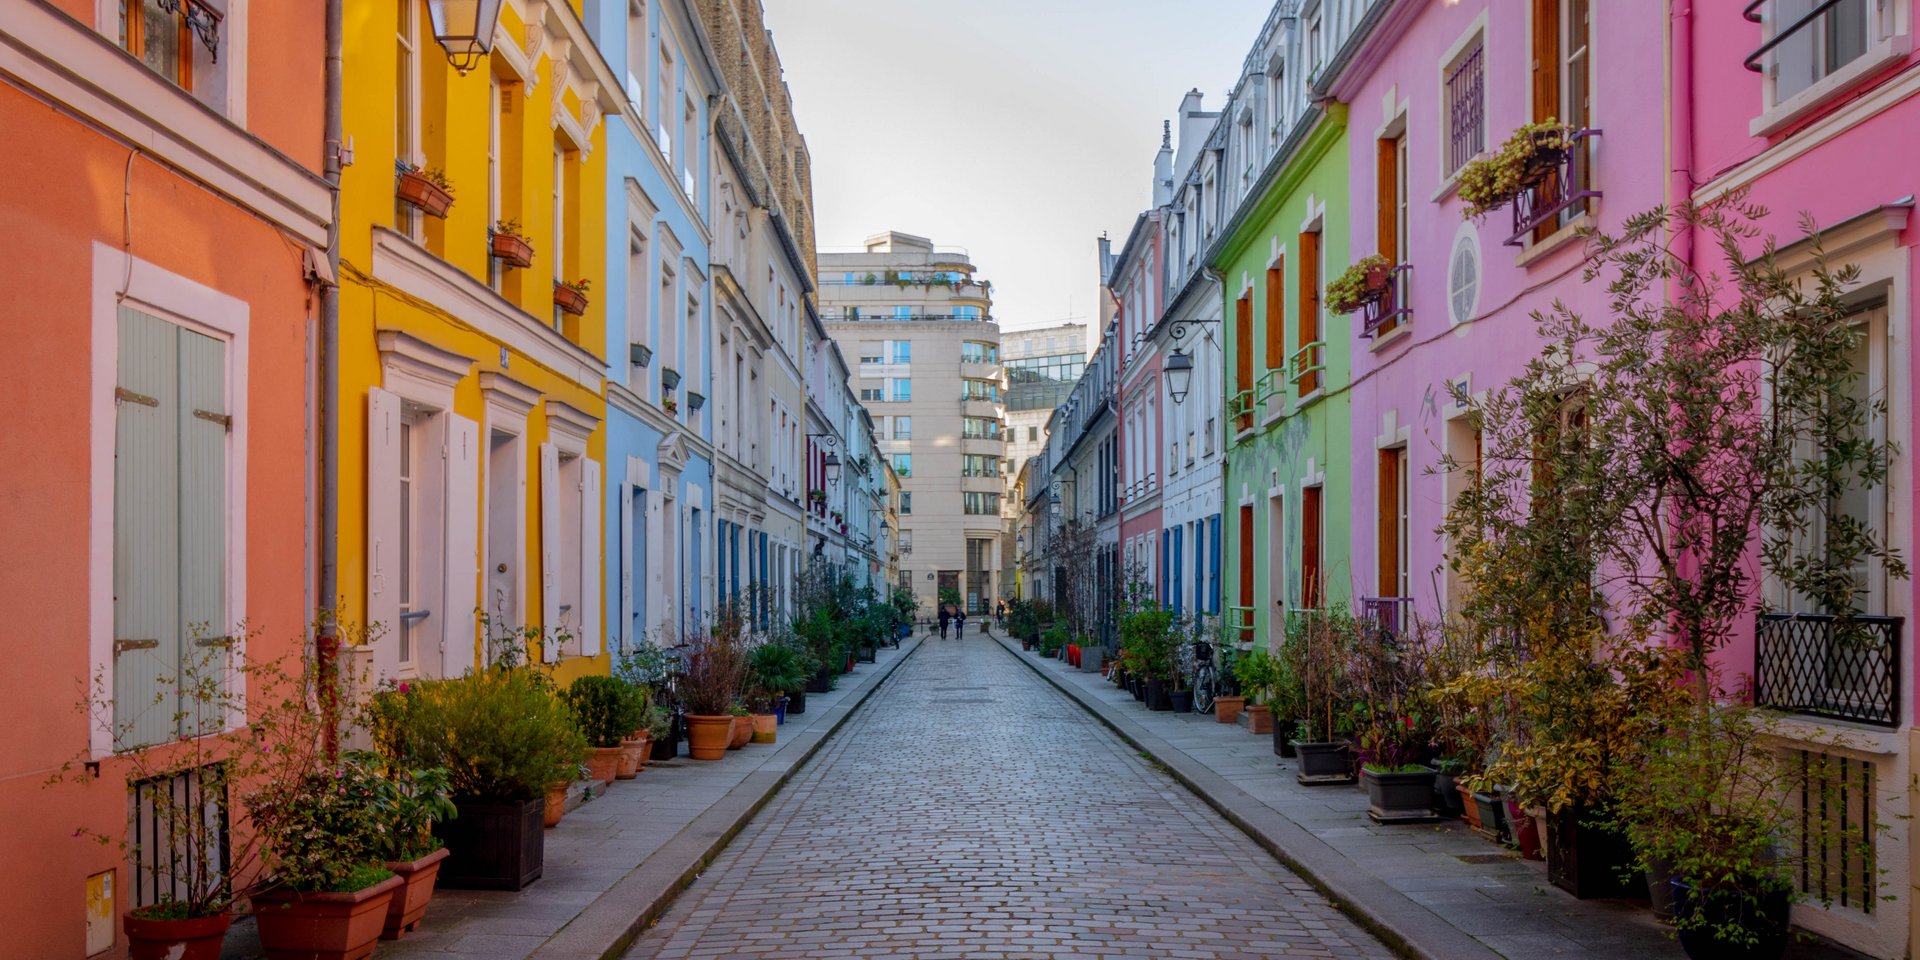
pixel 1163 167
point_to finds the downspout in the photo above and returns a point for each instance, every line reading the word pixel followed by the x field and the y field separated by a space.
pixel 327 641
pixel 1679 197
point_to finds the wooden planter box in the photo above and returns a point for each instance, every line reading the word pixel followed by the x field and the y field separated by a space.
pixel 568 299
pixel 511 250
pixel 1258 719
pixel 1588 861
pixel 415 190
pixel 493 846
pixel 1399 797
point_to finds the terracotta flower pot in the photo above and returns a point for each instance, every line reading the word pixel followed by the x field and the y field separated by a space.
pixel 323 926
pixel 1260 720
pixel 556 803
pixel 1227 709
pixel 1471 810
pixel 568 299
pixel 410 901
pixel 741 734
pixel 512 250
pixel 707 737
pixel 603 764
pixel 764 726
pixel 633 756
pixel 414 189
pixel 197 939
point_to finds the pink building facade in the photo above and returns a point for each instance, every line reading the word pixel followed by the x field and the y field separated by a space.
pixel 1136 284
pixel 1811 108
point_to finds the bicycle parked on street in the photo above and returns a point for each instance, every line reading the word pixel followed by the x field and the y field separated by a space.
pixel 1197 663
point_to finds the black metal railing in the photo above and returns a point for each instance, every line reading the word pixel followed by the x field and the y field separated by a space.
pixel 1467 130
pixel 1385 314
pixel 1567 183
pixel 1827 666
pixel 1392 615
pixel 1752 12
pixel 177 835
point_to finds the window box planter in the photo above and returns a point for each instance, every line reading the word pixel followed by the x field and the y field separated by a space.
pixel 669 378
pixel 1399 797
pixel 511 249
pixel 1362 284
pixel 1324 762
pixel 639 354
pixel 323 926
pixel 695 401
pixel 493 845
pixel 409 903
pixel 569 298
pixel 417 189
pixel 1490 817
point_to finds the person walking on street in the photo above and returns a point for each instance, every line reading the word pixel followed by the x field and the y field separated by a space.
pixel 960 622
pixel 943 621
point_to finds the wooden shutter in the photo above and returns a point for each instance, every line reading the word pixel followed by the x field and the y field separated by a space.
pixel 1309 303
pixel 460 636
pixel 146 532
pixel 1310 585
pixel 1546 59
pixel 205 625
pixel 592 541
pixel 1388 521
pixel 1276 316
pixel 550 539
pixel 1243 343
pixel 1387 198
pixel 383 528
pixel 1246 570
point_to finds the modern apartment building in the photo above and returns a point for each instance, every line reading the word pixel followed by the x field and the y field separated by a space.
pixel 1042 365
pixel 913 322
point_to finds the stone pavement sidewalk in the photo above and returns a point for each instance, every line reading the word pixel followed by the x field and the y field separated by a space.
pixel 1429 890
pixel 613 864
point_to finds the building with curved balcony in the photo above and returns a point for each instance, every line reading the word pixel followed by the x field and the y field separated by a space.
pixel 915 324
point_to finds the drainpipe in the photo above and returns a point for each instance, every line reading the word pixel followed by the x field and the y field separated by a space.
pixel 1680 194
pixel 327 642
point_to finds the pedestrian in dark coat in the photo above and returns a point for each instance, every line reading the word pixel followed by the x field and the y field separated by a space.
pixel 960 621
pixel 943 621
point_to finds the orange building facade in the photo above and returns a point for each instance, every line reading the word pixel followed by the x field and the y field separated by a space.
pixel 164 220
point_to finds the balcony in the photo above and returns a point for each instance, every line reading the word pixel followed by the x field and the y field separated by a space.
pixel 1306 365
pixel 980 370
pixel 1390 312
pixel 981 407
pixel 1240 410
pixel 1564 182
pixel 1822 666
pixel 1240 624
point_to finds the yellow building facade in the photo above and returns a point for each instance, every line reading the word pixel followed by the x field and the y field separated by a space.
pixel 472 354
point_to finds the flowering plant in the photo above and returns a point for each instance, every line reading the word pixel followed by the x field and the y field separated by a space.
pixel 1357 285
pixel 1489 182
pixel 327 831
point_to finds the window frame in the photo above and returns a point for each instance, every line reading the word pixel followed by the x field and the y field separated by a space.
pixel 1889 39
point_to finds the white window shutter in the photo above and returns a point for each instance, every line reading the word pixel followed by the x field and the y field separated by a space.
pixel 383 528
pixel 463 545
pixel 657 599
pixel 592 542
pixel 204 423
pixel 624 617
pixel 146 533
pixel 549 556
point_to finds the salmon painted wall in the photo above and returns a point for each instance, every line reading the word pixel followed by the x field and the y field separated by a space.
pixel 68 188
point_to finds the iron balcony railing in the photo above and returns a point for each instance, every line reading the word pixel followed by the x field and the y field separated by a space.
pixel 1391 308
pixel 1392 615
pixel 1827 666
pixel 1240 409
pixel 1240 623
pixel 1568 182
pixel 1306 365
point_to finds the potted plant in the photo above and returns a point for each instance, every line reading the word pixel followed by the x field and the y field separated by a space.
pixel 639 354
pixel 1315 655
pixel 410 802
pixel 1363 283
pixel 607 710
pixel 648 667
pixel 696 400
pixel 716 667
pixel 504 735
pixel 571 295
pixel 774 668
pixel 428 191
pixel 670 405
pixel 508 246
pixel 1146 642
pixel 1257 674
pixel 1489 182
pixel 740 732
pixel 669 378
pixel 323 835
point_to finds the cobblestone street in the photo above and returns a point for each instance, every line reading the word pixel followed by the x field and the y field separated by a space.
pixel 970 810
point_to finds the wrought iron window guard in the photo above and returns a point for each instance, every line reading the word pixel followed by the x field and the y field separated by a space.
pixel 1565 184
pixel 202 18
pixel 1393 615
pixel 1827 666
pixel 1389 309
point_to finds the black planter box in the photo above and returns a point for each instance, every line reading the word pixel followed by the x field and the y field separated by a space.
pixel 869 654
pixel 1493 816
pixel 821 681
pixel 1763 911
pixel 1182 700
pixel 1157 698
pixel 1446 796
pixel 493 846
pixel 1589 860
pixel 797 701
pixel 1137 687
pixel 1330 762
pixel 1283 739
pixel 1399 797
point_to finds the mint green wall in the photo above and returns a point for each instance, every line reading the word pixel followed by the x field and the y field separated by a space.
pixel 1291 446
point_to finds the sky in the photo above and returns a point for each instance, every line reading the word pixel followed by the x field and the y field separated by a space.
pixel 1018 130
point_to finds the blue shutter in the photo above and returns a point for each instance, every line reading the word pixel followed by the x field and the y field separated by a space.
pixel 1173 575
pixel 1213 562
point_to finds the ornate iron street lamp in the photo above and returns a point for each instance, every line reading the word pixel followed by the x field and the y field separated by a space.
pixel 465 29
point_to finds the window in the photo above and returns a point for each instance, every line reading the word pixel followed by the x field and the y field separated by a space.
pixel 170 539
pixel 1311 580
pixel 1861 503
pixel 406 99
pixel 496 272
pixel 966 313
pixel 900 350
pixel 906 507
pixel 973 351
pixel 1828 42
pixel 874 358
pixel 1242 362
pixel 986 390
pixel 982 504
pixel 979 428
pixel 559 227
pixel 1466 107
pixel 903 313
pixel 902 389
pixel 637 57
pixel 1833 842
pixel 1033 434
pixel 903 465
pixel 689 143
pixel 1561 86
pixel 161 38
pixel 1391 519
pixel 1390 199
pixel 1276 318
pixel 870 393
pixel 980 465
pixel 902 428
pixel 662 135
pixel 1306 375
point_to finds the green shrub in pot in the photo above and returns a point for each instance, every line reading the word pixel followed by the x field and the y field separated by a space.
pixel 501 734
pixel 607 709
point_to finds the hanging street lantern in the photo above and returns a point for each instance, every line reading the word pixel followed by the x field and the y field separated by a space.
pixel 1179 370
pixel 465 29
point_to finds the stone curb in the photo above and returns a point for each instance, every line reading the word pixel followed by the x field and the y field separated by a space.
pixel 614 920
pixel 1406 927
